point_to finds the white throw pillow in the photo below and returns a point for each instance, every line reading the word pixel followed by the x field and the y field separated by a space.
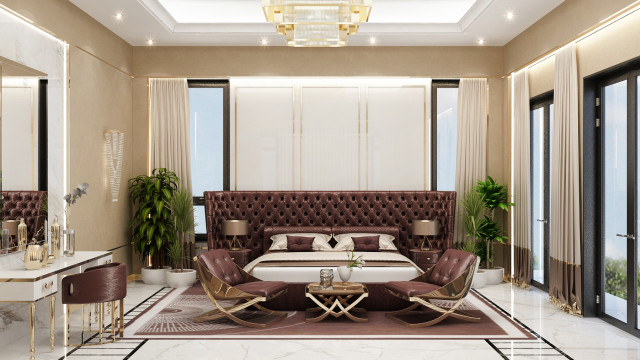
pixel 345 241
pixel 320 241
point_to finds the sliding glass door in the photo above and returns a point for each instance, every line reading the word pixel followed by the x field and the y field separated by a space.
pixel 541 125
pixel 619 201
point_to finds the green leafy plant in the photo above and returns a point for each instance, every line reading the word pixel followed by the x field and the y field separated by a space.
pixel 469 246
pixel 354 261
pixel 152 223
pixel 174 252
pixel 479 206
pixel 181 206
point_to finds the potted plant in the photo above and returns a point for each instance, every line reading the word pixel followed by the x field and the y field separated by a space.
pixel 152 221
pixel 494 197
pixel 181 206
pixel 472 211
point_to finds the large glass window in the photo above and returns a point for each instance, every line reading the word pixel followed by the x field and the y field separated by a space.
pixel 209 137
pixel 444 110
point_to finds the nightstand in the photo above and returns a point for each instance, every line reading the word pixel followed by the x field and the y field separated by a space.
pixel 425 259
pixel 241 257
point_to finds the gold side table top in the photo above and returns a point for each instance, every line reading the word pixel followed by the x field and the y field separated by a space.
pixel 340 300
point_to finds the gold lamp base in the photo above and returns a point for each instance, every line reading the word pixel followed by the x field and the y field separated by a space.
pixel 234 244
pixel 428 246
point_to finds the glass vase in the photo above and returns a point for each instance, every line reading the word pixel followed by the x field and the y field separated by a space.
pixel 70 242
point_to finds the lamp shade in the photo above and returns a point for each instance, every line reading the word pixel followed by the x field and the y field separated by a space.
pixel 235 227
pixel 425 227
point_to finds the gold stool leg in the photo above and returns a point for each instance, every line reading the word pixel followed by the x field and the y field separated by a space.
pixel 52 319
pixel 32 329
pixel 89 318
pixel 101 321
pixel 66 327
pixel 121 317
pixel 113 320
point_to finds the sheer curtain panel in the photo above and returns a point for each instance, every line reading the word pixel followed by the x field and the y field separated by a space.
pixel 521 273
pixel 565 270
pixel 471 159
pixel 169 127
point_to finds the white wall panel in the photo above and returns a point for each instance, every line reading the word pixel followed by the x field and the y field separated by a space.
pixel 330 119
pixel 397 146
pixel 264 130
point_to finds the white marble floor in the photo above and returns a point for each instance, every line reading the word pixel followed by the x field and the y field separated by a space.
pixel 564 336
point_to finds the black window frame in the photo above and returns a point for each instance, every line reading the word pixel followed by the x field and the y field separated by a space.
pixel 544 100
pixel 435 85
pixel 198 200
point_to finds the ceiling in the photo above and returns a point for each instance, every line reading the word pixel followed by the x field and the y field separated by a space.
pixel 392 22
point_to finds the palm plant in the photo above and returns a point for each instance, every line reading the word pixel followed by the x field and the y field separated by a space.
pixel 181 206
pixel 152 222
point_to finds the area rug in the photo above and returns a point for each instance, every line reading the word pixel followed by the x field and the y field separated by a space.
pixel 171 318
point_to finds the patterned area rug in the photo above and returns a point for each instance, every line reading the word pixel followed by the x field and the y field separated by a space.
pixel 171 318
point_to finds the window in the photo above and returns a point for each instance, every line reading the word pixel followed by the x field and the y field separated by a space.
pixel 209 137
pixel 444 115
pixel 541 126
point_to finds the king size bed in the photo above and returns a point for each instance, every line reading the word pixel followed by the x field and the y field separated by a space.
pixel 340 219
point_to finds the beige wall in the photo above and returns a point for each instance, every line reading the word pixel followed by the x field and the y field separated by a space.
pixel 100 99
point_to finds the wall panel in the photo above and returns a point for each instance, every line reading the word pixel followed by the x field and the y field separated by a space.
pixel 397 143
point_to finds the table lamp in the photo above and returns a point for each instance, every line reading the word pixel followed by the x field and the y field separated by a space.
pixel 235 228
pixel 425 228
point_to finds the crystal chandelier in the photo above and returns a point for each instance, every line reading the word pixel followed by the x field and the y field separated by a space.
pixel 317 23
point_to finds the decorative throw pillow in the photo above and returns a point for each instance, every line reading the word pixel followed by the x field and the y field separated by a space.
pixel 345 241
pixel 366 243
pixel 299 243
pixel 320 241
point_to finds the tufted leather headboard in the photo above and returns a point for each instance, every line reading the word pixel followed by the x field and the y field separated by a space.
pixel 24 204
pixel 329 208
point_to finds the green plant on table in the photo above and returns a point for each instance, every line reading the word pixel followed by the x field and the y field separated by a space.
pixel 152 223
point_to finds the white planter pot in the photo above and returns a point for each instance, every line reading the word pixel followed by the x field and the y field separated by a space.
pixel 177 279
pixel 494 276
pixel 155 276
pixel 479 279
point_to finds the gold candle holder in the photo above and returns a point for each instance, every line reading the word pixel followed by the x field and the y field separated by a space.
pixel 22 235
pixel 55 238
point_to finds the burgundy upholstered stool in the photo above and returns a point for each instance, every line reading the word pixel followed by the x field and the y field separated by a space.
pixel 97 285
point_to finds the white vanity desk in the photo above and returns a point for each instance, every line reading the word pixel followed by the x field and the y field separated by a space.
pixel 17 284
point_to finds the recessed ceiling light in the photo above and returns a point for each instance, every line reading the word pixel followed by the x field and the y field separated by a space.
pixel 480 41
pixel 372 41
pixel 509 15
pixel 119 15
pixel 150 42
pixel 264 42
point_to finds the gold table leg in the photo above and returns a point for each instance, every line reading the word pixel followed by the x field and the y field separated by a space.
pixel 32 329
pixel 52 319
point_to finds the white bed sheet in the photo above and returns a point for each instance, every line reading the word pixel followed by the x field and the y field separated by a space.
pixel 308 274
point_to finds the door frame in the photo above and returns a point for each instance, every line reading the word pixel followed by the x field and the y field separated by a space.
pixel 543 100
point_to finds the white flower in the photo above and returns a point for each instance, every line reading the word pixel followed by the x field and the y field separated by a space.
pixel 359 266
pixel 362 262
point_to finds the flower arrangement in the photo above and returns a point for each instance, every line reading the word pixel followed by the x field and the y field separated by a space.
pixel 354 261
pixel 72 197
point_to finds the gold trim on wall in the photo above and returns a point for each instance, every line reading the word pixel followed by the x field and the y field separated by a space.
pixel 424 137
pixel 235 129
pixel 301 117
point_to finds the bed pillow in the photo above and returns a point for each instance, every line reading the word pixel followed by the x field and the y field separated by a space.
pixel 345 241
pixel 366 243
pixel 299 243
pixel 320 241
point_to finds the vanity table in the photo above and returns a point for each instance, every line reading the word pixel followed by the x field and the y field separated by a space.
pixel 17 284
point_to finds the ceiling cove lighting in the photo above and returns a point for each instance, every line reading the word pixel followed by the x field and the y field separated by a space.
pixel 317 23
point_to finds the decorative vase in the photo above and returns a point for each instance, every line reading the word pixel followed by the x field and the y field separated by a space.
pixel 6 239
pixel 33 257
pixel 70 242
pixel 180 279
pixel 326 278
pixel 22 235
pixel 55 238
pixel 345 273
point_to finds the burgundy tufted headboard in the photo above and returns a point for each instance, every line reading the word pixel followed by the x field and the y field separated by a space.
pixel 24 204
pixel 328 208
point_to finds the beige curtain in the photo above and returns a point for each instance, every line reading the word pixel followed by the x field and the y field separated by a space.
pixel 169 127
pixel 521 273
pixel 565 273
pixel 471 159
